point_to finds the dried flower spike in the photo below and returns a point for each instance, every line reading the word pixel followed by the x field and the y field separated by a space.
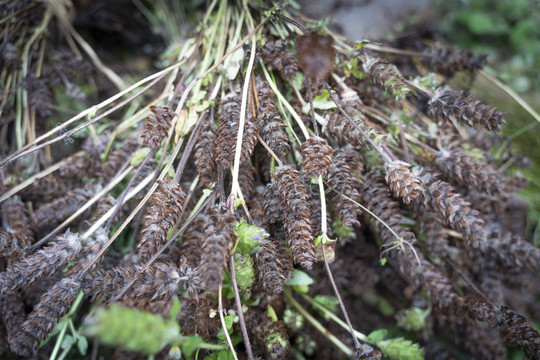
pixel 315 54
pixel 12 245
pixel 205 150
pixel 296 215
pixel 229 117
pixel 164 213
pixel 41 321
pixel 274 266
pixel 383 74
pixel 271 128
pixel 275 55
pixel 447 103
pixel 402 181
pixel 16 220
pixel 216 248
pixel 317 157
pixel 448 60
pixel 157 126
pixel 45 262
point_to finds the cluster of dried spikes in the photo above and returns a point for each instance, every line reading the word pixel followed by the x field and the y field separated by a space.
pixel 289 209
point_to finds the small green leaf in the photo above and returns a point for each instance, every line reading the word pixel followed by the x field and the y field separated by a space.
pixel 175 309
pixel 412 319
pixel 383 261
pixel 359 45
pixel 82 344
pixel 378 335
pixel 329 302
pixel 67 342
pixel 271 313
pixel 300 278
pixel 191 344
pixel 139 155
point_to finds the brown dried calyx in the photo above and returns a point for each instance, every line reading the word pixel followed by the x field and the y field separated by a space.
pixel 342 180
pixel 164 213
pixel 455 212
pixel 53 305
pixel 447 103
pixel 198 316
pixel 12 316
pixel 402 181
pixel 159 281
pixel 317 156
pixel 340 128
pixel 512 326
pixel 385 75
pixel 229 118
pixel 205 151
pixel 271 128
pixel 16 219
pixel 410 263
pixel 295 214
pixel 43 263
pixel 275 55
pixel 448 60
pixel 274 266
pixel 12 245
pixel 316 55
pixel 465 170
pixel 216 248
pixel 366 352
pixel 157 126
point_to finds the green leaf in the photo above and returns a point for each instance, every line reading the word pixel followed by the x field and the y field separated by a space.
pixel 359 45
pixel 82 344
pixel 235 62
pixel 320 102
pixel 401 349
pixel 378 335
pixel 329 302
pixel 131 329
pixel 139 155
pixel 175 309
pixel 412 319
pixel 191 344
pixel 271 313
pixel 300 278
pixel 67 341
pixel 383 261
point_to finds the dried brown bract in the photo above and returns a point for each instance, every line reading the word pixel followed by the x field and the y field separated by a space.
pixel 402 181
pixel 41 321
pixel 229 118
pixel 463 169
pixel 448 60
pixel 274 266
pixel 315 54
pixel 157 126
pixel 446 103
pixel 162 215
pixel 158 282
pixel 49 215
pixel 317 157
pixel 341 129
pixel 385 75
pixel 216 248
pixel 512 327
pixel 13 316
pixel 296 217
pixel 271 128
pixel 45 262
pixel 341 179
pixel 16 220
pixel 275 55
pixel 199 316
pixel 439 196
pixel 78 167
pixel 12 245
pixel 205 150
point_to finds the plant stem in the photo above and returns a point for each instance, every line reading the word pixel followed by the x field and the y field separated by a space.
pixel 223 324
pixel 239 311
pixel 341 304
pixel 316 324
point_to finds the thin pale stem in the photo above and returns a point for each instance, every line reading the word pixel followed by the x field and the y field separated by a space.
pixel 341 304
pixel 239 311
pixel 316 324
pixel 223 324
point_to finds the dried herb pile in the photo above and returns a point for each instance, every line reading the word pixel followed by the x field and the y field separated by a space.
pixel 267 149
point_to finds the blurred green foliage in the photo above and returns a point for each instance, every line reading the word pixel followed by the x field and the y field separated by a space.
pixel 507 30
